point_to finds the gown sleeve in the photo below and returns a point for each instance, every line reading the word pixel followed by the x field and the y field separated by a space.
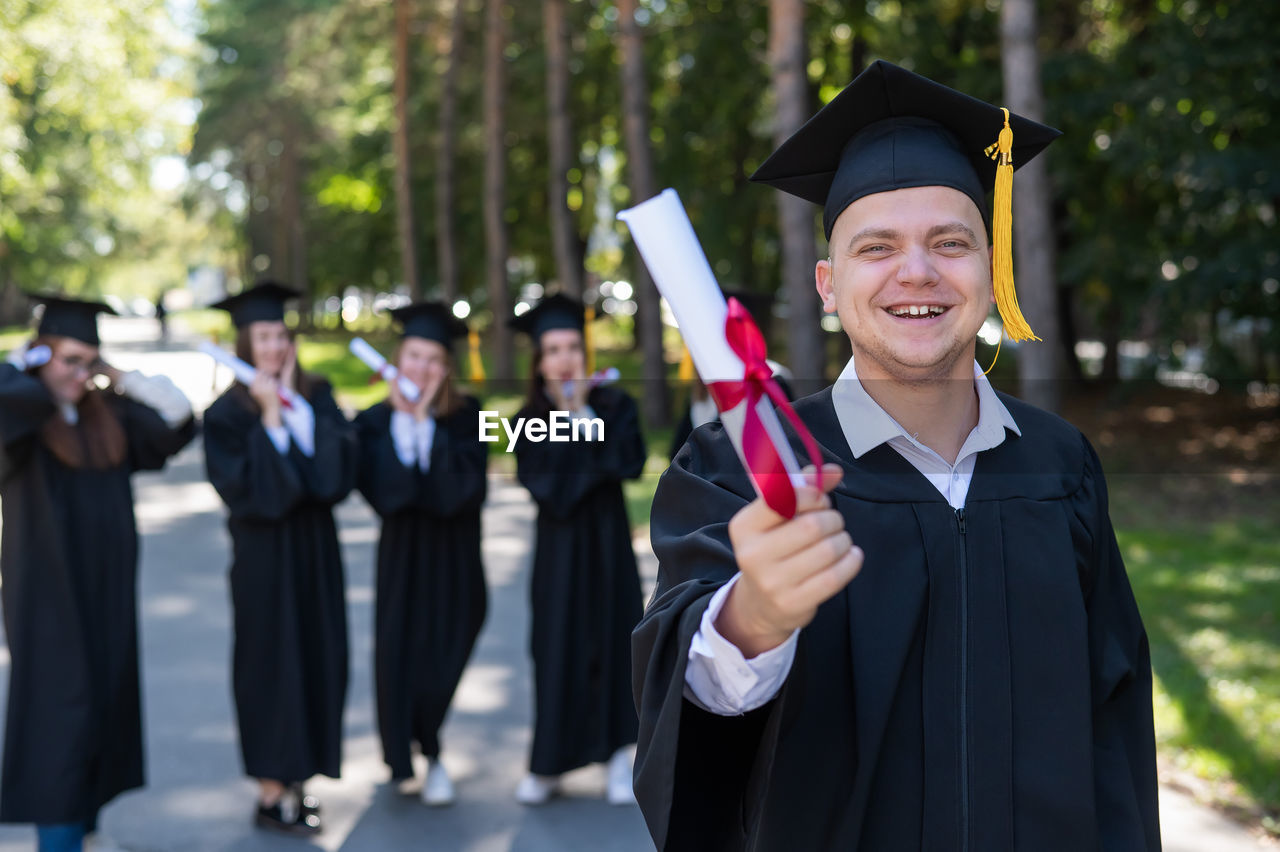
pixel 25 405
pixel 455 480
pixel 150 440
pixel 330 474
pixel 560 474
pixel 1124 757
pixel 387 483
pixel 700 806
pixel 254 480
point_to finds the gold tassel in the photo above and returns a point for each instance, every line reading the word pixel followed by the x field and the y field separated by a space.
pixel 1015 325
pixel 686 373
pixel 476 362
pixel 588 339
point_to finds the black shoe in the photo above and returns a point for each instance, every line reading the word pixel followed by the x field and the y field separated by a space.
pixel 286 817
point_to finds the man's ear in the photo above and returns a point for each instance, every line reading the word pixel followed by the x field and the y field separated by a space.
pixel 823 276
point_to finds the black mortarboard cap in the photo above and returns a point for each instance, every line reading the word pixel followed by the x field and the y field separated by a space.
pixel 557 311
pixel 430 321
pixel 65 317
pixel 263 302
pixel 892 129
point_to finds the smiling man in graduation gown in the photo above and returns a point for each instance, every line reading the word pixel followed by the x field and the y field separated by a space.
pixel 941 651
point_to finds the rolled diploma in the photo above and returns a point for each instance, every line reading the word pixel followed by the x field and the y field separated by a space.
pixel 665 238
pixel 374 360
pixel 244 373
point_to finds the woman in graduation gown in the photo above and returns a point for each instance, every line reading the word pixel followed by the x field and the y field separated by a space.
pixel 585 588
pixel 422 469
pixel 280 470
pixel 69 556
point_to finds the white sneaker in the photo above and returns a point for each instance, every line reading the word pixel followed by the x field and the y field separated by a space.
pixel 437 790
pixel 537 789
pixel 619 791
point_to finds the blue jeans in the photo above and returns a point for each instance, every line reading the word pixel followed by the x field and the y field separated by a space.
pixel 61 837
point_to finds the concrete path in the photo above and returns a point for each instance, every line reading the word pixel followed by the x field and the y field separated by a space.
pixel 197 799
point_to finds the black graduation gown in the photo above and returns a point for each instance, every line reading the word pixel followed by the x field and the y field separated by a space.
pixel 289 662
pixel 69 558
pixel 431 590
pixel 585 589
pixel 983 684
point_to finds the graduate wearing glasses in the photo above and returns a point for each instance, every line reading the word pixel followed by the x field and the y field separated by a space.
pixel 69 559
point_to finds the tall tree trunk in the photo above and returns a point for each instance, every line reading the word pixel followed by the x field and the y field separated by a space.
pixel 795 216
pixel 495 189
pixel 295 226
pixel 1039 364
pixel 400 144
pixel 446 237
pixel 635 120
pixel 564 236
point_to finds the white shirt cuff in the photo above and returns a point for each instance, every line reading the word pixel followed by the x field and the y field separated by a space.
pixel 300 420
pixel 279 437
pixel 720 680
pixel 158 393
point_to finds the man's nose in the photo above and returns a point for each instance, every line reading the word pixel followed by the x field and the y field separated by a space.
pixel 916 268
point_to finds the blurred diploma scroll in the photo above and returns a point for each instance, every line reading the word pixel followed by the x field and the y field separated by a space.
pixel 374 360
pixel 244 373
pixel 665 238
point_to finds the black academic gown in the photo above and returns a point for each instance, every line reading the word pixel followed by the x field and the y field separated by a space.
pixel 68 559
pixel 289 663
pixel 431 589
pixel 585 590
pixel 983 684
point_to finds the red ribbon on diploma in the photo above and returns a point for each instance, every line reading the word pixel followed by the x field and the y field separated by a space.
pixel 763 462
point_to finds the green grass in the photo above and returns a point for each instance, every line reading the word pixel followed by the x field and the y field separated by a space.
pixel 1210 599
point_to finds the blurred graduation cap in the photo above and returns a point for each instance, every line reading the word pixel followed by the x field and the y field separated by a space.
pixel 555 311
pixel 75 318
pixel 430 321
pixel 435 321
pixel 892 129
pixel 263 302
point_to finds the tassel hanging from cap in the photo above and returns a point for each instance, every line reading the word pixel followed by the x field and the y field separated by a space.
pixel 686 373
pixel 476 363
pixel 588 338
pixel 1015 325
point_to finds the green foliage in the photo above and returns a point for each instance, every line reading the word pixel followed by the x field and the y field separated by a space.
pixel 1167 175
pixel 89 97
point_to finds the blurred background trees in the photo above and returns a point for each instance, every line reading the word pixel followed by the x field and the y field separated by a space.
pixel 477 150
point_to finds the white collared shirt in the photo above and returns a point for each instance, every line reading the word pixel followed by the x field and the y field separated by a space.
pixel 719 678
pixel 413 439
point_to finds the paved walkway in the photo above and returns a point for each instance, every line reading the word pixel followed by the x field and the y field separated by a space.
pixel 197 799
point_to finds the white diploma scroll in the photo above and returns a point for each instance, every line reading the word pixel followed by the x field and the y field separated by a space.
pixel 665 238
pixel 374 361
pixel 244 373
